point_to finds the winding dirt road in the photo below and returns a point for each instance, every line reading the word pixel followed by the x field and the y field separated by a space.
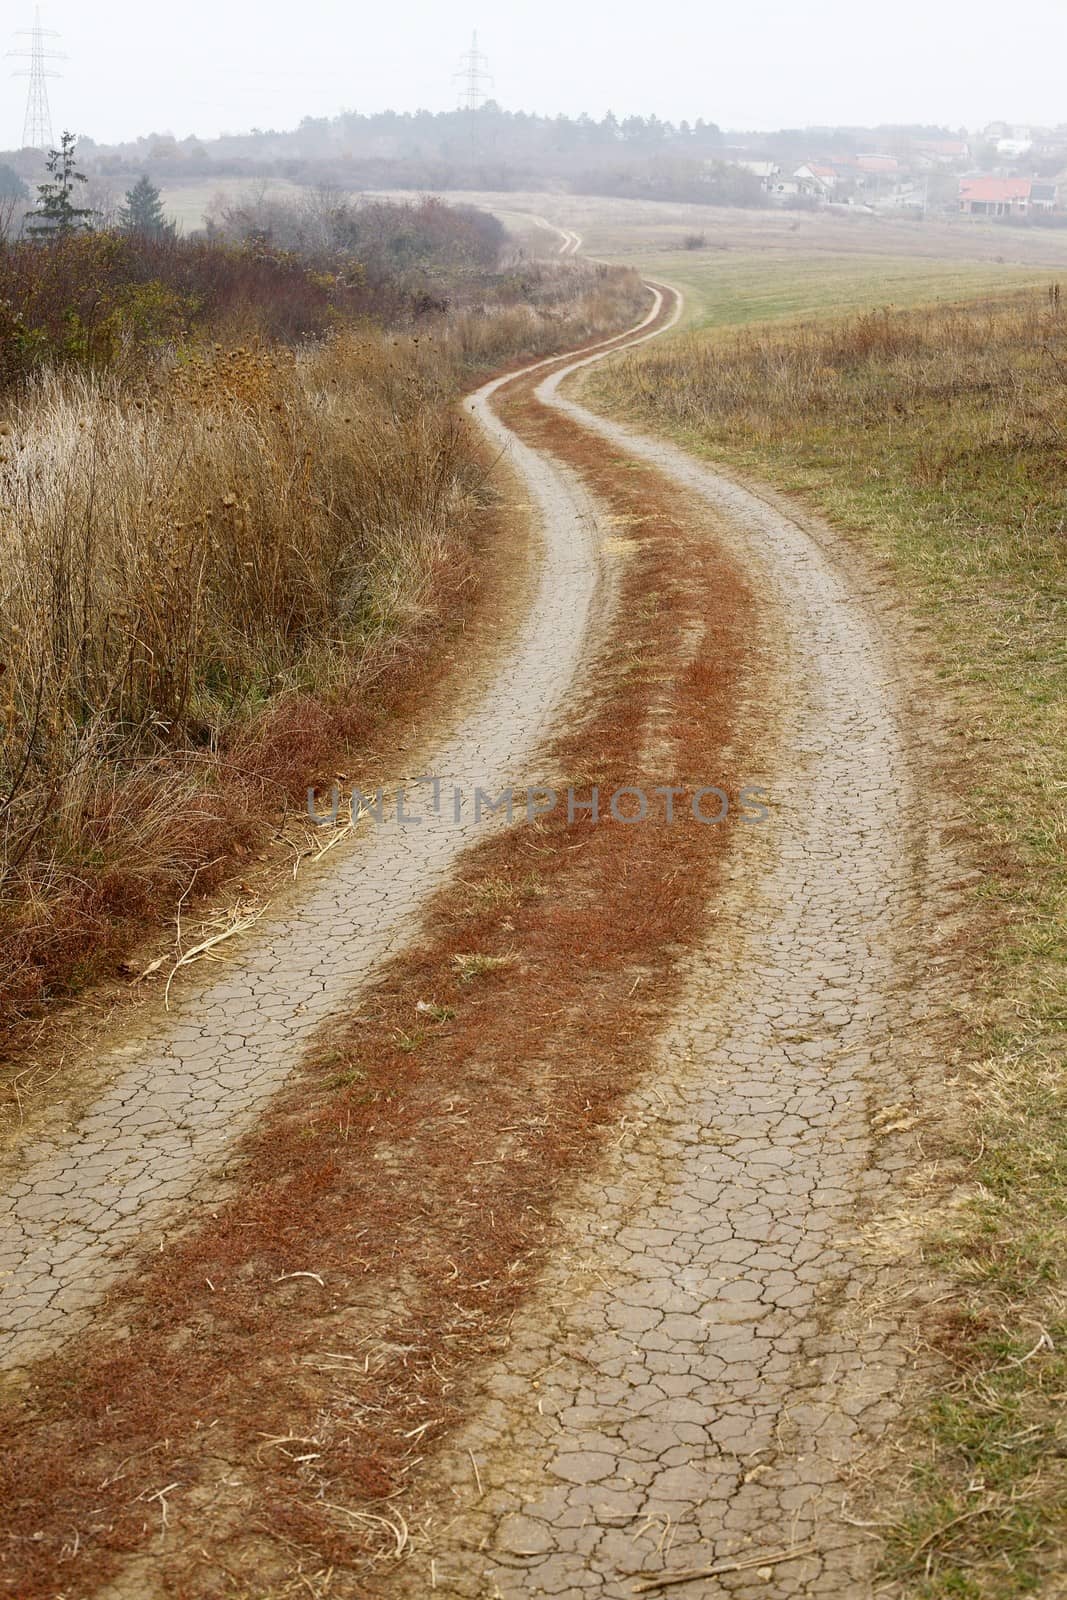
pixel 680 1394
pixel 570 242
pixel 679 1379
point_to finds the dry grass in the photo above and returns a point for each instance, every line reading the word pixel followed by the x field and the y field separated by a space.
pixel 207 584
pixel 647 230
pixel 937 438
pixel 179 571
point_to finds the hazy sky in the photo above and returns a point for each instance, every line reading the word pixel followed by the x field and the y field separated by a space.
pixel 204 66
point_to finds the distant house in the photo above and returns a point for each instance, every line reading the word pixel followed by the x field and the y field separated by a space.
pixel 816 178
pixel 878 166
pixel 1012 148
pixel 1010 139
pixel 1005 197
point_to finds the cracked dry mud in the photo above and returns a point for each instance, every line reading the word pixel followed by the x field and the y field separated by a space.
pixel 683 1388
pixel 676 1395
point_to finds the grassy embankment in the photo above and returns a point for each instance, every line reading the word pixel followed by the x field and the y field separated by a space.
pixel 938 439
pixel 237 507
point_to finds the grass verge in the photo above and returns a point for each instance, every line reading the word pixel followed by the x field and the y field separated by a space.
pixel 935 438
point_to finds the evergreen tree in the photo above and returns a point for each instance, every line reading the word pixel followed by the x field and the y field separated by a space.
pixel 57 216
pixel 143 211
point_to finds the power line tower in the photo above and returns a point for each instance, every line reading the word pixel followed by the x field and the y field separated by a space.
pixel 474 75
pixel 37 131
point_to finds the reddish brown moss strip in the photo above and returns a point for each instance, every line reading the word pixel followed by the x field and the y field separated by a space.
pixel 414 1175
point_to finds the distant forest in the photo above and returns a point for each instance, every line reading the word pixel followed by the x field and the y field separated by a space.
pixel 632 157
pixel 487 149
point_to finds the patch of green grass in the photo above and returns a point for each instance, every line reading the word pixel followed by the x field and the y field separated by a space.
pixel 733 289
pixel 500 891
pixel 410 1042
pixel 345 1080
pixel 435 1012
pixel 477 966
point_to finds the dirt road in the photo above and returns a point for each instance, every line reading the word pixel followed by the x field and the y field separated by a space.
pixel 683 1391
pixel 627 1346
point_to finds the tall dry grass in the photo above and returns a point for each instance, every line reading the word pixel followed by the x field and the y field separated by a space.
pixel 248 531
pixel 759 383
pixel 206 580
pixel 537 308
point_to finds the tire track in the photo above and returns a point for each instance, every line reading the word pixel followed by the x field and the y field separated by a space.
pixel 571 242
pixel 678 1394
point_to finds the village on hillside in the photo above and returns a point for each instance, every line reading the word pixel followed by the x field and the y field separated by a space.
pixel 1005 171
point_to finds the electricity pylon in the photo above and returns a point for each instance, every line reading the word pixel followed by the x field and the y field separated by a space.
pixel 37 130
pixel 473 74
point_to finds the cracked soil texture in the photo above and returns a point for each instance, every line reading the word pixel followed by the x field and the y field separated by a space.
pixel 177 1101
pixel 687 1385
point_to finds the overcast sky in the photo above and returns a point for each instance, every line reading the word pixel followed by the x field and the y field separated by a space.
pixel 207 66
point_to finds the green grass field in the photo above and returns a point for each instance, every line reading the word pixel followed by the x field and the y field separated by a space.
pixel 728 290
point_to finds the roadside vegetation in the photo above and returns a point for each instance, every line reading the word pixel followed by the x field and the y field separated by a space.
pixel 237 505
pixel 937 438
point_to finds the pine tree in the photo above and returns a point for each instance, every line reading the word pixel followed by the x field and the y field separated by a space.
pixel 56 216
pixel 143 211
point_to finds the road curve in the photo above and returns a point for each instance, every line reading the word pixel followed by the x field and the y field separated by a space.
pixel 570 242
pixel 177 1099
pixel 679 1393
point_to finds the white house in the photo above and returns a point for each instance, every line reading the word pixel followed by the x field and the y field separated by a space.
pixel 815 178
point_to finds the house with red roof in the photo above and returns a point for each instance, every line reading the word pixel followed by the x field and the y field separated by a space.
pixel 878 165
pixel 816 178
pixel 1005 197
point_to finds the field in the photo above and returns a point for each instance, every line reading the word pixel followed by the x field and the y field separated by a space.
pixel 189 203
pixel 744 1147
pixel 755 266
pixel 769 266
